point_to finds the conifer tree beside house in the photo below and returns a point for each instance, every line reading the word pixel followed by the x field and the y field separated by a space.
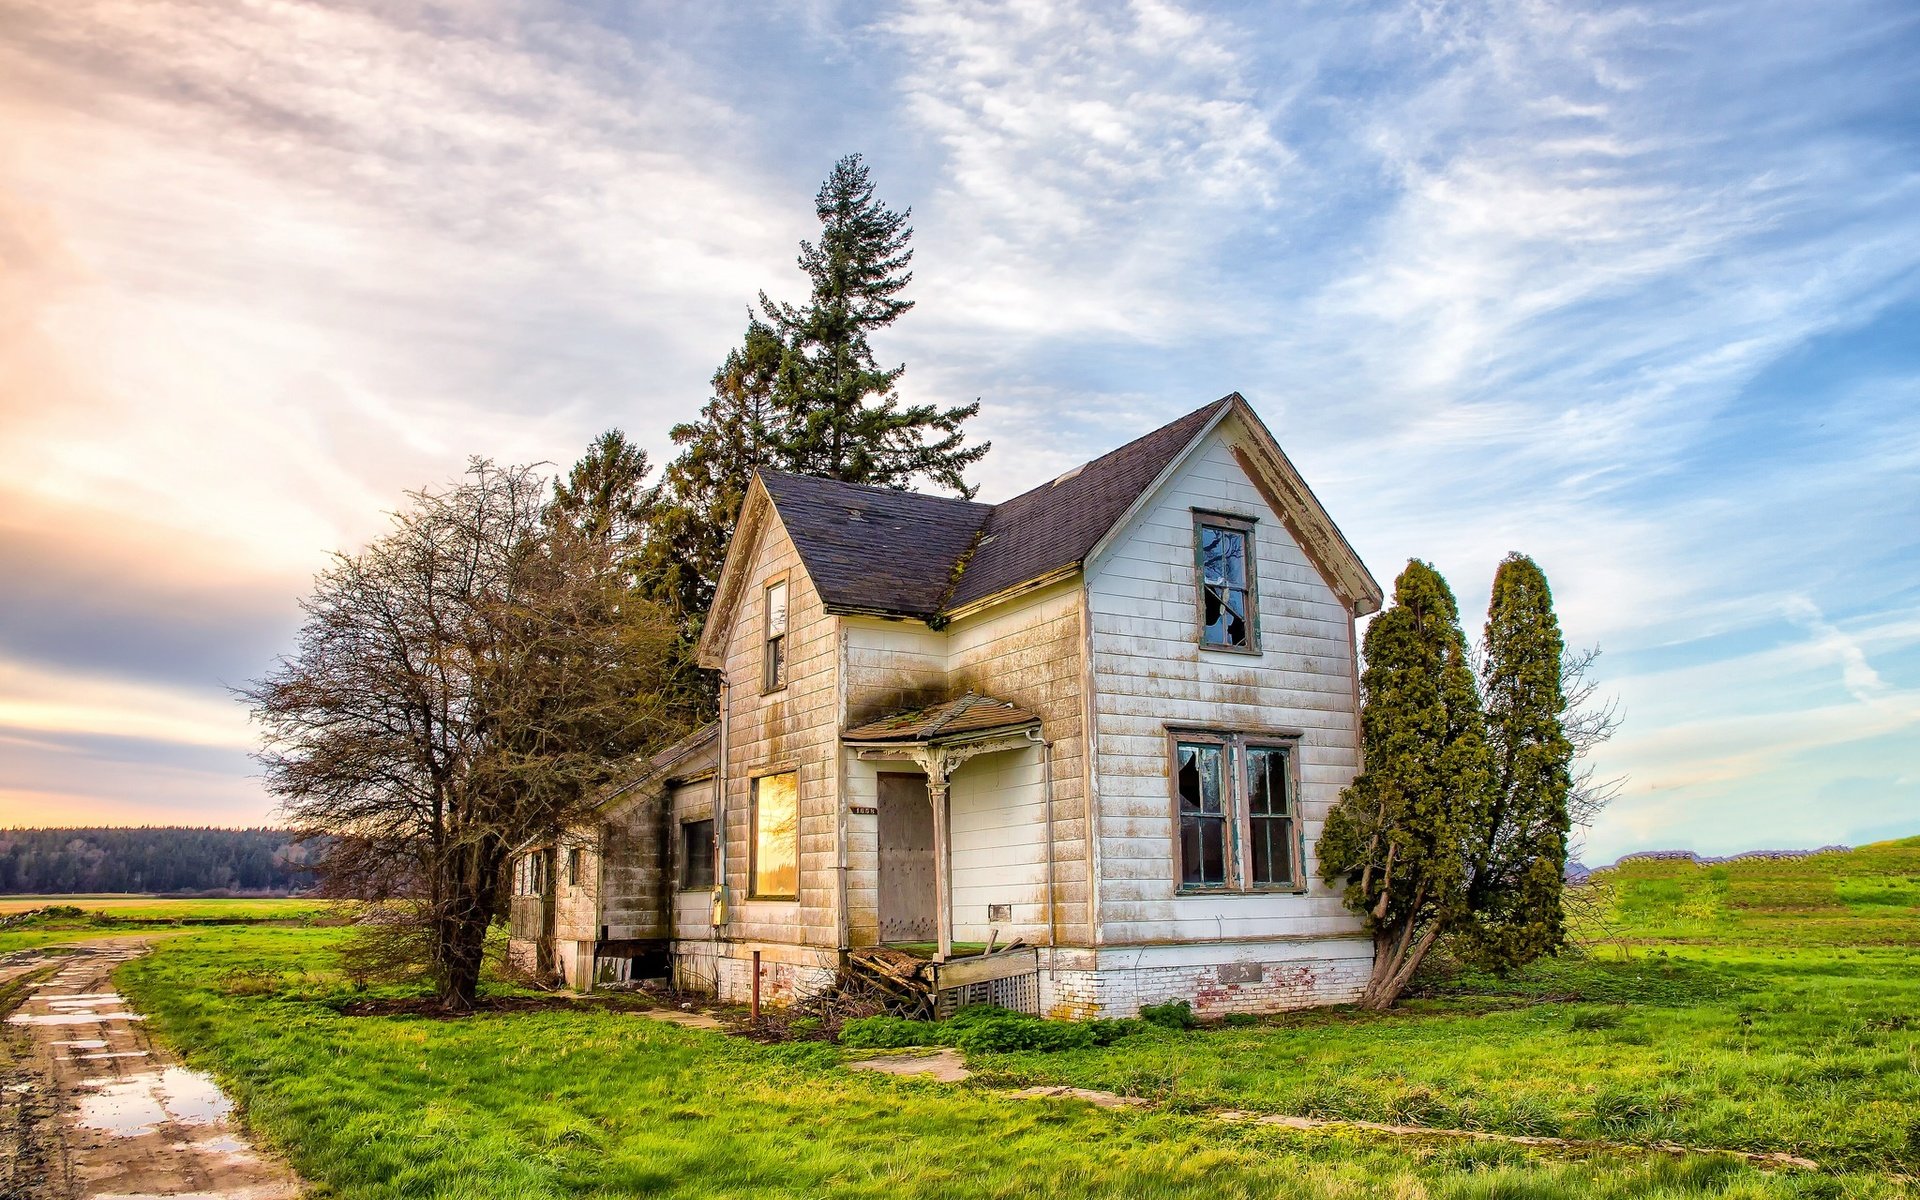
pixel 1400 835
pixel 1520 859
pixel 847 421
pixel 605 495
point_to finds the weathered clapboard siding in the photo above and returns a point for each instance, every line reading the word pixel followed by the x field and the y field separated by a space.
pixel 1151 673
pixel 791 729
pixel 1030 650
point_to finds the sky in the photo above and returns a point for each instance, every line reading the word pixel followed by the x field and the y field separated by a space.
pixel 1633 289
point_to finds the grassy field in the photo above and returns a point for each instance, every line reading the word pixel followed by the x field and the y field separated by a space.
pixel 1698 1019
pixel 1701 1020
pixel 155 908
pixel 107 916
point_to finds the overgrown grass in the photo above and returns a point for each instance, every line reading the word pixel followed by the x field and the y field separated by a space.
pixel 598 1103
pixel 1698 1020
pixel 1701 1020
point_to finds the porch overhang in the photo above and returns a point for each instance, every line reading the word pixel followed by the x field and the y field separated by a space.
pixel 937 739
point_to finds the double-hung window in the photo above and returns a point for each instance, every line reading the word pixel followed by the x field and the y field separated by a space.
pixel 1228 590
pixel 1237 813
pixel 774 652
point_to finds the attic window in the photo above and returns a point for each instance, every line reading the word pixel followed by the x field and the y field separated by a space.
pixel 774 651
pixel 1068 475
pixel 1228 591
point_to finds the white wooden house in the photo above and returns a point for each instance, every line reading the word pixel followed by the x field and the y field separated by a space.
pixel 1101 722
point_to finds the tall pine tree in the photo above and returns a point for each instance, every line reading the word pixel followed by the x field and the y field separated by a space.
pixel 605 496
pixel 1399 836
pixel 1519 858
pixel 741 428
pixel 804 393
pixel 845 418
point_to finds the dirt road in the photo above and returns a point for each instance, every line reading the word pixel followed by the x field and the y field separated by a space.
pixel 101 1111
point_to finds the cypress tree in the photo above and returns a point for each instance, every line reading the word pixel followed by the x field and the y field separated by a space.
pixel 846 420
pixel 1520 856
pixel 1399 836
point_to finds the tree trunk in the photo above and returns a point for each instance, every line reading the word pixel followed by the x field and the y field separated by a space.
pixel 463 944
pixel 1398 951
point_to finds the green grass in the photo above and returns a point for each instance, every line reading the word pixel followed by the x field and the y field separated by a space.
pixel 597 1103
pixel 1697 1020
pixel 109 916
pixel 157 908
pixel 1700 1020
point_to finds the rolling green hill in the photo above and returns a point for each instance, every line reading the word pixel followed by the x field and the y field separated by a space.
pixel 1869 896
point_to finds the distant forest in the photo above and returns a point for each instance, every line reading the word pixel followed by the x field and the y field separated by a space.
pixel 162 859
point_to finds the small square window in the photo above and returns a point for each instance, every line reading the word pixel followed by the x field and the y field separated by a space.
pixel 1236 822
pixel 696 855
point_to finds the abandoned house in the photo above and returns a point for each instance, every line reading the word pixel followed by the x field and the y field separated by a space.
pixel 1072 750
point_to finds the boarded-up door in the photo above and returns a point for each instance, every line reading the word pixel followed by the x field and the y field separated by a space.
pixel 907 879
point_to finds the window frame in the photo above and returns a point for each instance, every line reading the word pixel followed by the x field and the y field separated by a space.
pixel 1229 850
pixel 1236 797
pixel 776 663
pixel 753 833
pixel 682 879
pixel 1204 519
pixel 576 866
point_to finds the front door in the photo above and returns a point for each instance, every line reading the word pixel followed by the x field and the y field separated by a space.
pixel 907 880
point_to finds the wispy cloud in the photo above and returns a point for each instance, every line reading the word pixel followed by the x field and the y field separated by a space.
pixel 1620 285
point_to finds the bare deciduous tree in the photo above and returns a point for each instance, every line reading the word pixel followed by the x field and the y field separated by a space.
pixel 461 685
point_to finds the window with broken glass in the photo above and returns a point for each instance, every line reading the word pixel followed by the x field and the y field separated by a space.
pixel 1223 553
pixel 1238 828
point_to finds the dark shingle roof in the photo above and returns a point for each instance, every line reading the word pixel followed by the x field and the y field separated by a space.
pixel 971 713
pixel 877 550
pixel 1056 524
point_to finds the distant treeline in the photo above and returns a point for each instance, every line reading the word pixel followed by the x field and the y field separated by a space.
pixel 56 862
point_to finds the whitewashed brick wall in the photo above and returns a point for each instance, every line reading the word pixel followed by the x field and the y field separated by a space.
pixel 1252 980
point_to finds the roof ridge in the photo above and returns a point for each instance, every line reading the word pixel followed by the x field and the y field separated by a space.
pixel 881 489
pixel 1120 449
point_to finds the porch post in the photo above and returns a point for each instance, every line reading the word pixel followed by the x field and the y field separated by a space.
pixel 942 859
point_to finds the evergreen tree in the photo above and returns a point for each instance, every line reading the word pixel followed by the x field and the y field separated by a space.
pixel 846 420
pixel 605 495
pixel 1400 835
pixel 1520 856
pixel 741 429
pixel 803 393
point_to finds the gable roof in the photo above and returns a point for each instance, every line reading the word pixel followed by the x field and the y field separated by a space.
pixel 893 553
pixel 1055 525
pixel 871 549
